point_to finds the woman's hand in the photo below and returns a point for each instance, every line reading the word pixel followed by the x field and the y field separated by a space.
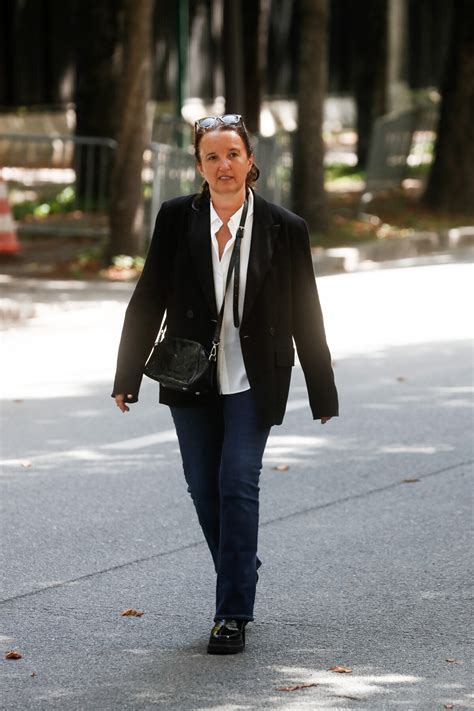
pixel 120 401
pixel 325 419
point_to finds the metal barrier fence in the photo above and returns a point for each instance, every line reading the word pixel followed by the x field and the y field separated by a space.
pixel 72 174
pixel 172 172
pixel 400 144
pixel 49 164
pixel 274 157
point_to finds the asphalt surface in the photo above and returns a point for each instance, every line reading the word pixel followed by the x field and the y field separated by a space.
pixel 366 538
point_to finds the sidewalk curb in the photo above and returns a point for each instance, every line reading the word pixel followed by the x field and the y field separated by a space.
pixel 339 260
pixel 14 312
pixel 16 309
pixel 19 295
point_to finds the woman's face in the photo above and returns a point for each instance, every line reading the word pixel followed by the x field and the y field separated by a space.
pixel 224 162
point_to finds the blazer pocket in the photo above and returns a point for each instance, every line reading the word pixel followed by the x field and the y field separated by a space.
pixel 285 356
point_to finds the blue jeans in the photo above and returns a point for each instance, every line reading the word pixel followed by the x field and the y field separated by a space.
pixel 222 447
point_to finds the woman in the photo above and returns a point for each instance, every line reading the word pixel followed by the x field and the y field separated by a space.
pixel 222 434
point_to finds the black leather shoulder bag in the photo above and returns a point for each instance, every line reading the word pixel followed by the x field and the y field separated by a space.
pixel 188 366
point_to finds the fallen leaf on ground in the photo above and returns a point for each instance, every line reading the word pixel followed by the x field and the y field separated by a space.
pixel 295 687
pixel 452 660
pixel 131 612
pixel 401 379
pixel 410 480
pixel 12 654
pixel 33 674
pixel 340 669
pixel 25 463
pixel 281 467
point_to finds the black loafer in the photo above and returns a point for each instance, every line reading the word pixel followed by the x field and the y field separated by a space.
pixel 227 637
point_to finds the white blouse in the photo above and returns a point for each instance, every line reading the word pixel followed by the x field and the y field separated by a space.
pixel 231 374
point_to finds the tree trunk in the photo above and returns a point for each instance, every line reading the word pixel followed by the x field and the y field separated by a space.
pixel 97 68
pixel 200 61
pixel 398 90
pixel 243 42
pixel 97 79
pixel 308 174
pixel 126 207
pixel 233 57
pixel 451 182
pixel 283 41
pixel 369 20
pixel 256 21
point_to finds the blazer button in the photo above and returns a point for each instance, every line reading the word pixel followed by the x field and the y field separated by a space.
pixel 271 331
pixel 190 313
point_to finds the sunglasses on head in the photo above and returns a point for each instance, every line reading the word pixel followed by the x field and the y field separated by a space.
pixel 213 121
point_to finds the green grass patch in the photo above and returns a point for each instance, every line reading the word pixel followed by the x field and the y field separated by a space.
pixel 341 170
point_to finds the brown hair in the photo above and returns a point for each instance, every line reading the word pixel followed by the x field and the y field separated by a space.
pixel 254 172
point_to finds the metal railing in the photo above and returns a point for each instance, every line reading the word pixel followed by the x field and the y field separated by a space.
pixel 400 144
pixel 71 174
pixel 274 157
pixel 41 167
pixel 59 183
pixel 49 164
pixel 172 172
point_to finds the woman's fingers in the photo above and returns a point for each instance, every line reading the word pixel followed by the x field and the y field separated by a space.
pixel 120 401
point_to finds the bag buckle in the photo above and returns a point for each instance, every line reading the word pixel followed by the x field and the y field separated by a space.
pixel 161 335
pixel 213 353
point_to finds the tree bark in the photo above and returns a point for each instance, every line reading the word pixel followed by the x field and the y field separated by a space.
pixel 369 20
pixel 126 207
pixel 308 174
pixel 233 57
pixel 200 61
pixel 256 22
pixel 451 182
pixel 97 67
pixel 98 38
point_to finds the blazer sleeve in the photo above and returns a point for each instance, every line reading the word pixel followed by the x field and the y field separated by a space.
pixel 144 312
pixel 308 329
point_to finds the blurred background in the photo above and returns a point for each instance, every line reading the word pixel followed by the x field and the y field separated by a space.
pixel 362 116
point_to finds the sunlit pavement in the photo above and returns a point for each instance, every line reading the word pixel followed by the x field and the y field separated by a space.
pixel 365 537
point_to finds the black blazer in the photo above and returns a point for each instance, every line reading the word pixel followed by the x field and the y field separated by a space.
pixel 281 305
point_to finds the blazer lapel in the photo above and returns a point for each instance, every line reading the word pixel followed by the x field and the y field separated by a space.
pixel 199 239
pixel 261 250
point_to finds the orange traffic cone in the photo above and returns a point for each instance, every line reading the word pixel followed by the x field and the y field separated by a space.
pixel 8 240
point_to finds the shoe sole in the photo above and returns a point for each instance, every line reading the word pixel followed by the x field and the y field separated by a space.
pixel 226 647
pixel 219 648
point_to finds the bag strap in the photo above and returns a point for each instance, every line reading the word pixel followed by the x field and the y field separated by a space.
pixel 234 267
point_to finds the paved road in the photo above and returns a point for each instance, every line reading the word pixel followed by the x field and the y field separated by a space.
pixel 362 568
